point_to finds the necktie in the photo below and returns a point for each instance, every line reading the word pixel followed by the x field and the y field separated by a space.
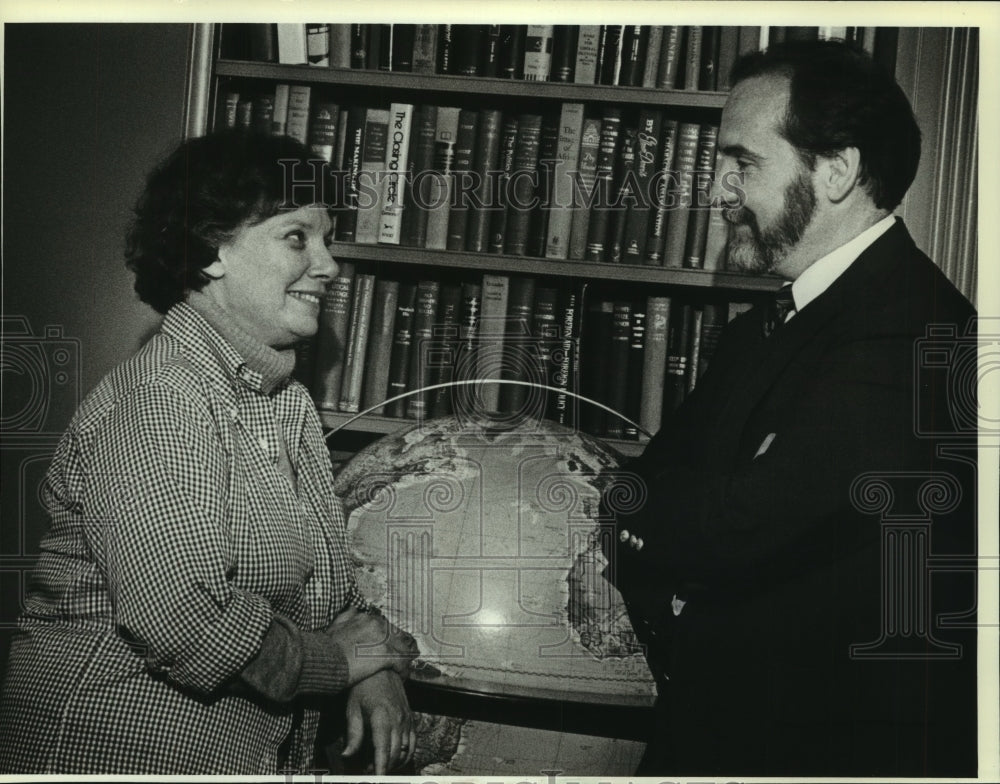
pixel 778 309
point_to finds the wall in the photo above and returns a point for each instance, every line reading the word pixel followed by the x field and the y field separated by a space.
pixel 88 110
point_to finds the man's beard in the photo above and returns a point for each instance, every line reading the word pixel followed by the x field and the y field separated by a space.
pixel 757 252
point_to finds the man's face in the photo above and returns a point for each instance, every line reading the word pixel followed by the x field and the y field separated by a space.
pixel 779 196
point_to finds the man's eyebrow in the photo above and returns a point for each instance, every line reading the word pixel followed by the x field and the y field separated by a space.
pixel 739 151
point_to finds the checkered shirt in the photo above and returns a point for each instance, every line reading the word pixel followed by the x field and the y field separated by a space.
pixel 174 538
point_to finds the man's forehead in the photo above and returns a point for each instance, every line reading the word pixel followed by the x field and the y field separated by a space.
pixel 756 105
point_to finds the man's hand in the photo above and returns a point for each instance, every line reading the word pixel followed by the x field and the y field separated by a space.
pixel 371 644
pixel 379 702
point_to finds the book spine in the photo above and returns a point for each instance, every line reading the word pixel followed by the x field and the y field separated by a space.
pixel 490 65
pixel 396 163
pixel 660 214
pixel 564 43
pixel 618 373
pixel 538 53
pixel 381 47
pixel 403 36
pixel 467 43
pixel 445 53
pixel 594 353
pixel 563 408
pixel 545 333
pixel 357 344
pixel 548 151
pixel 466 355
pixel 636 358
pixel 331 339
pixel 399 362
pixel 651 65
pixel 279 120
pixel 511 55
pixel 263 113
pixel 439 183
pixel 647 148
pixel 692 56
pixel 728 48
pixel 359 46
pixel 523 179
pixel 694 353
pixel 428 292
pixel 292 46
pixel 417 196
pixel 623 188
pixel 263 43
pixel 228 114
pixel 461 177
pixel 714 318
pixel 517 365
pixel 297 125
pixel 244 114
pixel 489 349
pixel 353 146
pixel 654 363
pixel 446 337
pixel 425 44
pixel 670 56
pixel 701 198
pixel 584 186
pixel 597 231
pixel 305 362
pixel 508 148
pixel 380 338
pixel 323 130
pixel 318 45
pixel 585 68
pixel 634 42
pixel 567 160
pixel 485 160
pixel 373 157
pixel 708 78
pixel 610 53
pixel 677 223
pixel 678 349
pixel 340 45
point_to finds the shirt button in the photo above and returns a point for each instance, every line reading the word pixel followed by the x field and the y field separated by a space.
pixel 263 443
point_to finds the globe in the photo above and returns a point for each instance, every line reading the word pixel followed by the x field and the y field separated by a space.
pixel 485 544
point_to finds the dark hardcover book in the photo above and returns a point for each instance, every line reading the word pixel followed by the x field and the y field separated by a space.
pixel 651 66
pixel 262 113
pixel 585 68
pixel 490 61
pixel 244 114
pixel 633 59
pixel 691 61
pixel 323 130
pixel 694 352
pixel 359 46
pixel 380 338
pixel 510 63
pixel 636 357
pixel 467 45
pixel 425 46
pixel 399 362
pixel 678 350
pixel 728 52
pixel 538 53
pixel 529 132
pixel 484 170
pixel 403 37
pixel 444 356
pixel 545 333
pixel 331 338
pixel 665 189
pixel 564 41
pixel 517 345
pixel 548 152
pixel 460 398
pixel 424 317
pixel 670 56
pixel 701 198
pixel 677 220
pixel 461 167
pixel 421 163
pixel 357 344
pixel 714 317
pixel 625 199
pixel 600 211
pixel 594 364
pixel 505 168
pixel 263 43
pixel 340 45
pixel 380 47
pixel 446 43
pixel 234 41
pixel 564 408
pixel 609 53
pixel 585 184
pixel 347 218
pixel 305 362
pixel 618 371
pixel 708 77
pixel 647 148
pixel 439 182
pixel 227 110
pixel 654 363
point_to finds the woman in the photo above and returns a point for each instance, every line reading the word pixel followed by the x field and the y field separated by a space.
pixel 195 589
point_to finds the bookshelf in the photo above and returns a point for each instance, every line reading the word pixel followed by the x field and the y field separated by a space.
pixel 216 73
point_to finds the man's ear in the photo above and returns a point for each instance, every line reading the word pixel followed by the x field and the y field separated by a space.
pixel 839 173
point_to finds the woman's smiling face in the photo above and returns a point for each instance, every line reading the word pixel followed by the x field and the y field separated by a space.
pixel 271 276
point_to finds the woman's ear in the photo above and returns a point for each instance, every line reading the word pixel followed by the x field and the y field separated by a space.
pixel 215 270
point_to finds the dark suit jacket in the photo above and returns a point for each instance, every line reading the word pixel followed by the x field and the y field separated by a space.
pixel 781 571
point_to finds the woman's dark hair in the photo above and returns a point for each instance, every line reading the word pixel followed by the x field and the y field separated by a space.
pixel 840 97
pixel 199 196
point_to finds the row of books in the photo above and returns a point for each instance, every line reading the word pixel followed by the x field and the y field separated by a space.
pixel 391 345
pixel 690 57
pixel 620 187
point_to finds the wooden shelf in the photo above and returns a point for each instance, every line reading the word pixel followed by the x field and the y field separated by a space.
pixel 474 85
pixel 522 265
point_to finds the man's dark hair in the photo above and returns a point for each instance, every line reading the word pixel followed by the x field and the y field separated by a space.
pixel 840 97
pixel 194 201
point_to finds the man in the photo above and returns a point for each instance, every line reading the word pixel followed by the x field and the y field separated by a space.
pixel 749 571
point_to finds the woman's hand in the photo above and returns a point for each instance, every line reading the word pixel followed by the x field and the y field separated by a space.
pixel 370 644
pixel 379 702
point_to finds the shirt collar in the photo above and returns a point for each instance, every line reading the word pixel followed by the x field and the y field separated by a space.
pixel 819 275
